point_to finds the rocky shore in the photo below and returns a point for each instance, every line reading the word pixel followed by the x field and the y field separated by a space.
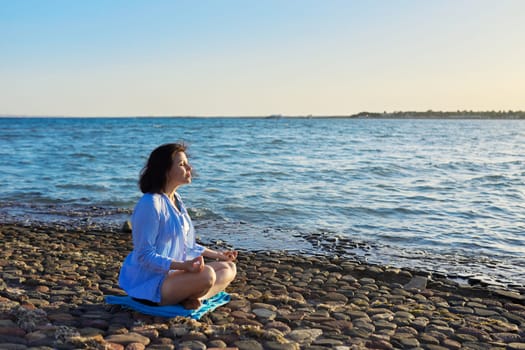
pixel 53 281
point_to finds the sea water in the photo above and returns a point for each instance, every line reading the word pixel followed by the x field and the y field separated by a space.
pixel 441 195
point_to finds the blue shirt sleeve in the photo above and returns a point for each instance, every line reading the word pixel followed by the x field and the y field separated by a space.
pixel 146 231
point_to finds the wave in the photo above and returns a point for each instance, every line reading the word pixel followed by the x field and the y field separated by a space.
pixel 84 186
pixel 203 214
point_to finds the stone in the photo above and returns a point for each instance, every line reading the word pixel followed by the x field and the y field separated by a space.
pixel 273 345
pixel 126 227
pixel 12 346
pixel 336 297
pixel 265 314
pixel 409 343
pixel 516 346
pixel 441 329
pixel 435 347
pixel 128 338
pixel 514 296
pixel 461 310
pixel 280 326
pixel 248 345
pixel 502 326
pixel 264 306
pixel 192 345
pixel 164 347
pixel 331 343
pixel 407 331
pixel 379 344
pixel 507 337
pixel 216 343
pixel 428 339
pixel 362 324
pixel 480 334
pixel 484 312
pixel 304 336
pixel 420 323
pixel 417 283
pixel 12 331
pixel 404 314
pixel 451 344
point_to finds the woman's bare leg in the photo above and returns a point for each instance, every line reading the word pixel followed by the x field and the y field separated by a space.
pixel 187 287
pixel 225 272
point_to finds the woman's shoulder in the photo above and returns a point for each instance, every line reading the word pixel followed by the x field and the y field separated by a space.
pixel 151 200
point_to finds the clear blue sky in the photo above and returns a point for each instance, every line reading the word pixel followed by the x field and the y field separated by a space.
pixel 213 58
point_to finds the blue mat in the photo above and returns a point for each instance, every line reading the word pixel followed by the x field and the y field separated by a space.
pixel 170 310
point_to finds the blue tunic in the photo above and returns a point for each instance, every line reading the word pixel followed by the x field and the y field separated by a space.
pixel 161 233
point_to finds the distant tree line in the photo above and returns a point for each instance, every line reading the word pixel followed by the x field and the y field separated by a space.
pixel 430 114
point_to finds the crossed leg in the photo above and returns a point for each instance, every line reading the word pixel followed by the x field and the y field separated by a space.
pixel 225 272
pixel 190 288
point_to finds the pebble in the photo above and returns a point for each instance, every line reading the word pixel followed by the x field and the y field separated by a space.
pixel 52 297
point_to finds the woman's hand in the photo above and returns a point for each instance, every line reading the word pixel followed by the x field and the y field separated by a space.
pixel 230 255
pixel 194 265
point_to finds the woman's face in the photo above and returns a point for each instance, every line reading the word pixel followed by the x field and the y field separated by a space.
pixel 180 172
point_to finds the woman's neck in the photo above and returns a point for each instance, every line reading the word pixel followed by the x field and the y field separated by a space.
pixel 173 198
pixel 170 191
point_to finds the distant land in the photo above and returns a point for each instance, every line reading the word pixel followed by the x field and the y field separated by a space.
pixel 430 114
pixel 441 115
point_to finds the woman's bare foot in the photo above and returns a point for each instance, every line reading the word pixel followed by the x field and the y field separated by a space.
pixel 191 303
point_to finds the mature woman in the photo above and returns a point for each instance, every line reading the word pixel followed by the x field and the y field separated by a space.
pixel 166 265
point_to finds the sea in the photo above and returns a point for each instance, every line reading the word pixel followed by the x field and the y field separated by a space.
pixel 443 196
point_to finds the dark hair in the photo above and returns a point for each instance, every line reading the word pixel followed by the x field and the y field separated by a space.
pixel 153 176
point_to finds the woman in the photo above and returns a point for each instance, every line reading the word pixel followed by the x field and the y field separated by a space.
pixel 166 265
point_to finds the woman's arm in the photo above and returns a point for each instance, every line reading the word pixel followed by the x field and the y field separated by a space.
pixel 145 230
pixel 229 255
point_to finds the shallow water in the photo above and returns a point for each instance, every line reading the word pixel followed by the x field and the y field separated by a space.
pixel 443 195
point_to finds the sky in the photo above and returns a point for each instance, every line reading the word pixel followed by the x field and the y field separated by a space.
pixel 259 58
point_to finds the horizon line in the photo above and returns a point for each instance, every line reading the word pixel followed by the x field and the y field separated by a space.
pixel 363 114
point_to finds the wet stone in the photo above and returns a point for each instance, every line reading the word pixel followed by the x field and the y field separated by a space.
pixel 416 283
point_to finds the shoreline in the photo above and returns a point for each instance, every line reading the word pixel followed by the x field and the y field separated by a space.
pixel 53 281
pixel 95 218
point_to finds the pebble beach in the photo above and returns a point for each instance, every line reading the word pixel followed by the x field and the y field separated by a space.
pixel 53 280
